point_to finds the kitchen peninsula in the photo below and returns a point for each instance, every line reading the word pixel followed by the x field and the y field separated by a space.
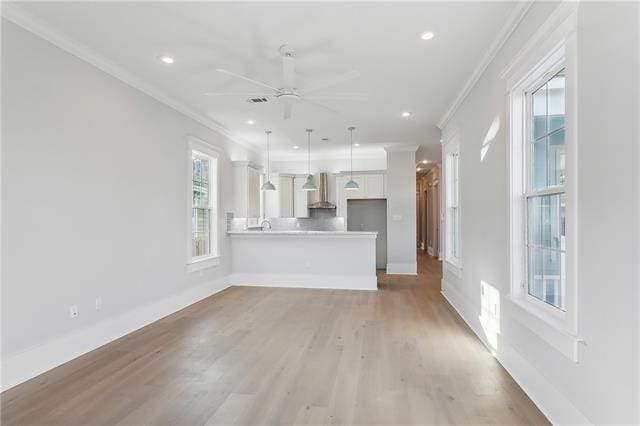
pixel 304 259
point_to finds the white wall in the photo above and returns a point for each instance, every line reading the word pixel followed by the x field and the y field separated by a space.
pixel 401 210
pixel 603 387
pixel 94 196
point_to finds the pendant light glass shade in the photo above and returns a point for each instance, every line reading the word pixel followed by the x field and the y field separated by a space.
pixel 352 185
pixel 267 185
pixel 309 184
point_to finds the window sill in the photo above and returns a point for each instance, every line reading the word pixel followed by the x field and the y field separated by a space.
pixel 550 329
pixel 205 263
pixel 453 266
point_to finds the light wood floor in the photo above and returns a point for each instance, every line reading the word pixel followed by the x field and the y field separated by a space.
pixel 400 355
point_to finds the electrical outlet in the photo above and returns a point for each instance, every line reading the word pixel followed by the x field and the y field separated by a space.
pixel 98 303
pixel 73 311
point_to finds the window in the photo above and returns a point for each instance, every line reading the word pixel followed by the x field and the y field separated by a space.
pixel 452 202
pixel 541 83
pixel 545 197
pixel 203 166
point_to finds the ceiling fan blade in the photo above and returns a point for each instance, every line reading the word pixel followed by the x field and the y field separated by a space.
pixel 310 102
pixel 345 77
pixel 250 80
pixel 339 97
pixel 236 94
pixel 288 108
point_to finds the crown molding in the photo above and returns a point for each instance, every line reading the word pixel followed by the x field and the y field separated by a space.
pixel 512 22
pixel 27 21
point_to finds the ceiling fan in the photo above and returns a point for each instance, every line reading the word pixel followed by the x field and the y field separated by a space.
pixel 288 94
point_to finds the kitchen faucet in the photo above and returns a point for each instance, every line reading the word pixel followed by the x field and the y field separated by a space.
pixel 263 222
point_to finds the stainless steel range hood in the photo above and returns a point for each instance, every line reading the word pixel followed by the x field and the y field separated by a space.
pixel 324 197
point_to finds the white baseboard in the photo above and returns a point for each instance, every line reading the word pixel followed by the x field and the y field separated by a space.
pixel 24 365
pixel 402 268
pixel 553 404
pixel 335 282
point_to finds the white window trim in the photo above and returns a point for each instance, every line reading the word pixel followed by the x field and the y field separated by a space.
pixel 203 262
pixel 451 146
pixel 553 46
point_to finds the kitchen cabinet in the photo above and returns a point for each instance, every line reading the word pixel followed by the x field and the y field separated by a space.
pixel 279 203
pixel 371 186
pixel 286 196
pixel 300 197
pixel 246 189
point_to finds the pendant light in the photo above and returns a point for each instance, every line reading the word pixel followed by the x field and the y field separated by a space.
pixel 309 184
pixel 268 186
pixel 352 184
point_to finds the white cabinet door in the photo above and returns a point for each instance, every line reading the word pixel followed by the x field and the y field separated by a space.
pixel 374 186
pixel 253 189
pixel 300 198
pixel 286 196
pixel 341 198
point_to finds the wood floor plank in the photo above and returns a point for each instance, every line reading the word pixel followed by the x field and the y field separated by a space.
pixel 247 355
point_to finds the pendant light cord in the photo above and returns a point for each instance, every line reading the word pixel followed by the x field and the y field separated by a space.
pixel 351 129
pixel 309 151
pixel 268 132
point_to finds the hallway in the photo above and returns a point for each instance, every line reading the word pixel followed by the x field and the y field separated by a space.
pixel 282 356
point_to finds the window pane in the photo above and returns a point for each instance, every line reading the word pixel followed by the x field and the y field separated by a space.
pixel 536 274
pixel 539 110
pixel 201 182
pixel 534 215
pixel 539 164
pixel 200 225
pixel 556 158
pixel 555 96
pixel 553 278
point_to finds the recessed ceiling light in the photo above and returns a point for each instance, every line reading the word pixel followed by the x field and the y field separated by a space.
pixel 296 147
pixel 167 59
pixel 356 144
pixel 427 35
pixel 250 122
pixel 406 114
pixel 418 169
pixel 425 161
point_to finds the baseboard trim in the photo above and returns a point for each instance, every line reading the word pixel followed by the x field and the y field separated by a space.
pixel 402 268
pixel 553 404
pixel 24 365
pixel 333 282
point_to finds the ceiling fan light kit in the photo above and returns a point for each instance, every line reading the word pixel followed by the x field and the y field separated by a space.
pixel 352 185
pixel 267 185
pixel 309 184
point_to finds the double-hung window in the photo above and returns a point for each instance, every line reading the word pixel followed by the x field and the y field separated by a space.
pixel 543 182
pixel 202 208
pixel 545 197
pixel 451 152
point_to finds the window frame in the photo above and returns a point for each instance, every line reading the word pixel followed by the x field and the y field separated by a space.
pixel 557 64
pixel 551 49
pixel 452 189
pixel 201 148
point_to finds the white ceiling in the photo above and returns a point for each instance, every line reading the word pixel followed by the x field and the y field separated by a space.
pixel 381 41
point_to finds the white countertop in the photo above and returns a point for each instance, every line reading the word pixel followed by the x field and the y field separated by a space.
pixel 337 234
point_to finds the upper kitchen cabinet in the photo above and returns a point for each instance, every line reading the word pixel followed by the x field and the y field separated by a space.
pixel 279 203
pixel 300 197
pixel 246 189
pixel 371 185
